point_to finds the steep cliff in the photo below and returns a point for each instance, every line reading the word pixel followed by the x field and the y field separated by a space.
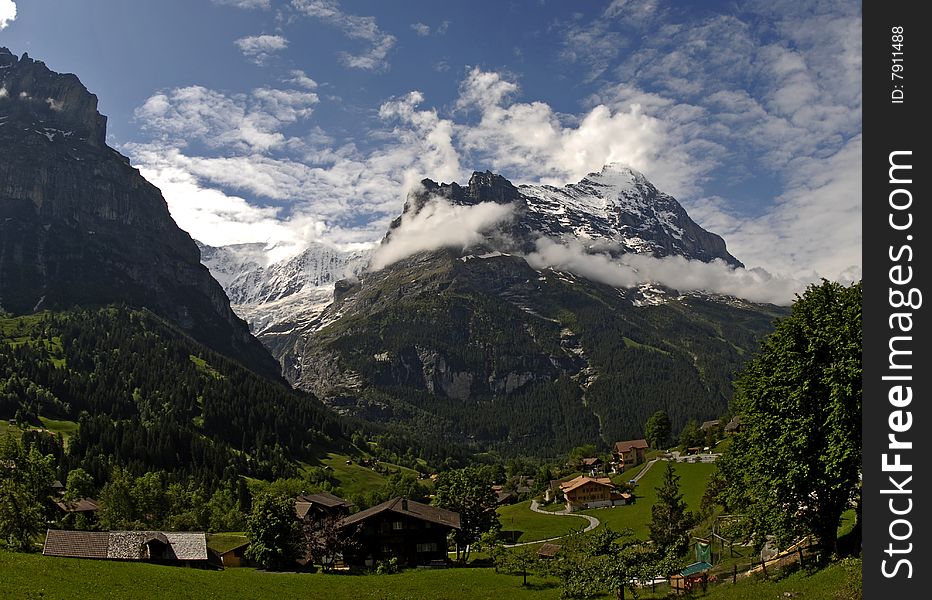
pixel 79 226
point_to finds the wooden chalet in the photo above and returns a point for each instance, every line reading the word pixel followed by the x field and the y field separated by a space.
pixel 85 506
pixel 734 425
pixel 627 454
pixel 323 504
pixel 592 492
pixel 710 425
pixel 593 465
pixel 188 548
pixel 412 532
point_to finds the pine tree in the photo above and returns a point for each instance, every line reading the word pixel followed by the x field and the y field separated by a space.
pixel 670 519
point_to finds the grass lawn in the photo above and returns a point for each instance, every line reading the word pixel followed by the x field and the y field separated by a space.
pixel 693 480
pixel 354 478
pixel 29 576
pixel 65 428
pixel 520 524
pixel 222 542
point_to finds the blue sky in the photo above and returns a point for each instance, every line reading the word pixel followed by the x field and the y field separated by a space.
pixel 292 120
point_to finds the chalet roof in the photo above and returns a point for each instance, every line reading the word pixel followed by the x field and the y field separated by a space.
pixel 629 445
pixel 592 461
pixel 582 480
pixel 124 545
pixel 79 505
pixel 548 550
pixel 734 424
pixel 706 425
pixel 76 544
pixel 410 508
pixel 324 499
pixel 304 502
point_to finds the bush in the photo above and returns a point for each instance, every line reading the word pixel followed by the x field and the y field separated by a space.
pixel 388 566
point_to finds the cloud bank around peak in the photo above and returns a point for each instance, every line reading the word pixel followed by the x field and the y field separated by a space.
pixel 440 224
pixel 630 270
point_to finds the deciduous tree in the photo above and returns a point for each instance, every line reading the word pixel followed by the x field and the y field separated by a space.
pixel 794 467
pixel 468 492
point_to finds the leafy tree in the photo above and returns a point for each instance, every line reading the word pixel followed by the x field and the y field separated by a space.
pixel 469 493
pixel 325 540
pixel 670 520
pixel 117 510
pixel 657 430
pixel 691 436
pixel 794 467
pixel 521 560
pixel 80 484
pixel 273 531
pixel 224 512
pixel 24 490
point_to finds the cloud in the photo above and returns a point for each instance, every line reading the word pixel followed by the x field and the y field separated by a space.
pixel 531 142
pixel 7 13
pixel 424 30
pixel 440 224
pixel 251 122
pixel 300 78
pixel 421 29
pixel 243 3
pixel 755 285
pixel 259 48
pixel 355 27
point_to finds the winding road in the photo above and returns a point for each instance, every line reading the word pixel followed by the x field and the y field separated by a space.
pixel 593 523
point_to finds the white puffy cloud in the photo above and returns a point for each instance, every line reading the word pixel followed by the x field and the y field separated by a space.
pixel 374 58
pixel 7 13
pixel 260 48
pixel 755 285
pixel 251 122
pixel 531 142
pixel 440 224
pixel 244 3
pixel 300 78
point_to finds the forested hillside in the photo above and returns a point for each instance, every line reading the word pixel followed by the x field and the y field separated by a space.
pixel 147 397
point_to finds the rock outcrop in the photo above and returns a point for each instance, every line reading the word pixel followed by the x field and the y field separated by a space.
pixel 79 226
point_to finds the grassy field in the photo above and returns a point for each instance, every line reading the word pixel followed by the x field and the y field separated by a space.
pixel 520 524
pixel 33 576
pixel 693 480
pixel 65 428
pixel 29 576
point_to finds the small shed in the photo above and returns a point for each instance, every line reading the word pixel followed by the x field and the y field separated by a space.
pixel 234 556
pixel 548 551
pixel 691 577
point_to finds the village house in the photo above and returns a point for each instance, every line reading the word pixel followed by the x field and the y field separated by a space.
pixel 709 425
pixel 412 532
pixel 171 547
pixel 231 557
pixel 593 466
pixel 735 425
pixel 592 492
pixel 628 454
pixel 311 507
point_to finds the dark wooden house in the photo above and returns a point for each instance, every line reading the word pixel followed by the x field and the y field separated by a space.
pixel 324 504
pixel 412 532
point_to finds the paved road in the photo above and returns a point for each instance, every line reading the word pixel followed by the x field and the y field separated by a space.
pixel 593 523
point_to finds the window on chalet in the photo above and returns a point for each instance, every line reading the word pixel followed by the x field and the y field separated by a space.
pixel 428 547
pixel 398 525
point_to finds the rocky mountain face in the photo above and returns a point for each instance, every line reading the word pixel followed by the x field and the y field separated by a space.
pixel 618 209
pixel 79 226
pixel 477 346
pixel 280 297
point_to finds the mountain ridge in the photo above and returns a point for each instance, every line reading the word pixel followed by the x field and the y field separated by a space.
pixel 81 227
